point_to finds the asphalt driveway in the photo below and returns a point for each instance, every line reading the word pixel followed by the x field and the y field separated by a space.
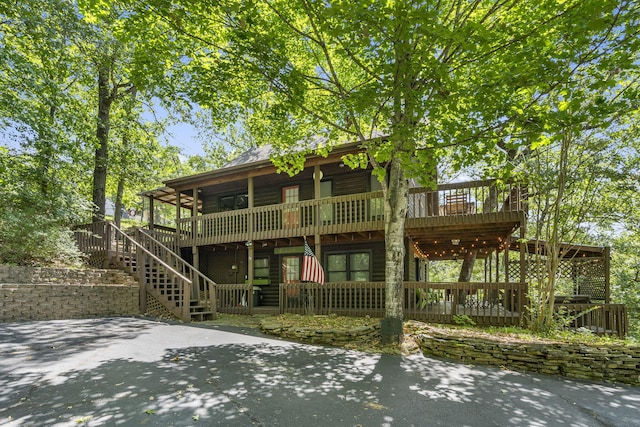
pixel 137 372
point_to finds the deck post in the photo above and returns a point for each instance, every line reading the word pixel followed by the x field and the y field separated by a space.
pixel 523 264
pixel 523 246
pixel 177 216
pixel 250 247
pixel 317 176
pixel 195 284
pixel 607 272
pixel 152 217
pixel 506 259
pixel 194 211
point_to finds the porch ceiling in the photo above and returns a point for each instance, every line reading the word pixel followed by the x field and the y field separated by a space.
pixel 571 250
pixel 168 195
pixel 352 237
pixel 452 242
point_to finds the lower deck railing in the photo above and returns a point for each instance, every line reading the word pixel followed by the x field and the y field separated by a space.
pixel 484 303
pixel 601 319
pixel 489 304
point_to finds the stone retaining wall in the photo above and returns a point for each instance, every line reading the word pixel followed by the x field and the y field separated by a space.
pixel 337 337
pixel 611 363
pixel 29 293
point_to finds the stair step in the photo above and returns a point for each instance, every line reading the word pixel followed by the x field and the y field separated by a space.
pixel 203 315
pixel 199 309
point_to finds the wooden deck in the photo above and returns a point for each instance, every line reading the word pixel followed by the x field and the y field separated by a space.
pixel 455 206
pixel 488 304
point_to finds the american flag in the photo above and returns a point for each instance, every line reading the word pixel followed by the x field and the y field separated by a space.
pixel 311 269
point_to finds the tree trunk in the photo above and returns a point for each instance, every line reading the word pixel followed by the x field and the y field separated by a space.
pixel 105 100
pixel 465 272
pixel 118 204
pixel 467 266
pixel 396 202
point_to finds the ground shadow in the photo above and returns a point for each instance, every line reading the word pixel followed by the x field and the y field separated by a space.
pixel 238 380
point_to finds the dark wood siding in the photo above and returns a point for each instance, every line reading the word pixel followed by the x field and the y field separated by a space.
pixel 272 194
pixel 217 265
pixel 264 196
pixel 209 204
pixel 351 182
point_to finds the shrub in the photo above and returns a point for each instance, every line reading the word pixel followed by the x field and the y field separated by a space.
pixel 36 240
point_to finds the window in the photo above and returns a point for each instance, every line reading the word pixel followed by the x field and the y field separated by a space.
pixel 291 269
pixel 326 211
pixel 291 194
pixel 227 203
pixel 337 268
pixel 261 268
pixel 376 209
pixel 353 266
pixel 359 267
pixel 234 201
pixel 291 215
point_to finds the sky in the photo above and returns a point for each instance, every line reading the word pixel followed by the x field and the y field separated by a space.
pixel 185 137
pixel 181 135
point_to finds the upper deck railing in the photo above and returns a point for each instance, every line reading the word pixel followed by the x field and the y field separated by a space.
pixel 351 213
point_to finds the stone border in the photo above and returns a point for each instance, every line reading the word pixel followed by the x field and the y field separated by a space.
pixel 329 336
pixel 611 363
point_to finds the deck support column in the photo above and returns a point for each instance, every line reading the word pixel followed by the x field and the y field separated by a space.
pixel 177 218
pixel 250 247
pixel 607 271
pixel 152 217
pixel 506 259
pixel 317 177
pixel 195 286
pixel 523 263
pixel 523 253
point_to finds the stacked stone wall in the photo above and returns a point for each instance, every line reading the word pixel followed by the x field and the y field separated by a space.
pixel 601 362
pixel 34 293
pixel 611 363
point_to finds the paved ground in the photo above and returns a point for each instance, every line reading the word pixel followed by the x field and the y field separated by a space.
pixel 136 372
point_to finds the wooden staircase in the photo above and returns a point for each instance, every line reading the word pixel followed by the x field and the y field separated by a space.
pixel 170 287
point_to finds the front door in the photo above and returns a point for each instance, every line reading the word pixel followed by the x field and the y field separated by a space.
pixel 291 274
pixel 291 214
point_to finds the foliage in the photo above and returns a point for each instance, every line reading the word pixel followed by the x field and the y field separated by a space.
pixel 476 81
pixel 34 229
pixel 463 320
pixel 576 160
pixel 625 280
pixel 34 240
pixel 49 61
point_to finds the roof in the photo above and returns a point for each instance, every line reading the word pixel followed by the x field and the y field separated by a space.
pixel 250 160
pixel 168 195
pixel 263 153
pixel 572 250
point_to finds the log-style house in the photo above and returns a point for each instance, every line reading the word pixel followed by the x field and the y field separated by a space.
pixel 242 230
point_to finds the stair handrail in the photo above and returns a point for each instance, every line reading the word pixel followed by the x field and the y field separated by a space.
pixel 146 251
pixel 106 244
pixel 183 263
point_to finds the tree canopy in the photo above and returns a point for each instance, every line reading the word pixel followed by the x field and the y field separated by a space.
pixel 502 87
pixel 477 81
pixel 49 57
